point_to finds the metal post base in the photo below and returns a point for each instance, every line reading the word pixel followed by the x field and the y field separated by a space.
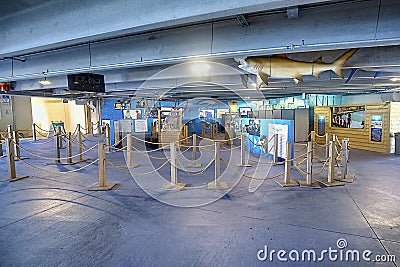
pixel 18 178
pixel 175 187
pixel 312 185
pixel 97 187
pixel 218 185
pixel 328 184
pixel 290 184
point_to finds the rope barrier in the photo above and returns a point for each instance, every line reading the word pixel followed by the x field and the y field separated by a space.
pixel 251 177
pixel 55 172
pixel 136 174
pixel 194 173
pixel 150 156
pixel 43 130
pixel 43 157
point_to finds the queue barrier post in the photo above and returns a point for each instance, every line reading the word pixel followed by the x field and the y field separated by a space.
pixel 129 152
pixel 12 174
pixel 203 129
pixel 327 143
pixel 243 151
pixel 276 147
pixel 173 184
pixel 34 136
pixel 309 176
pixel 216 184
pixel 287 182
pixel 194 164
pixel 102 185
pixel 69 150
pixel 16 145
pixel 344 175
pixel 57 145
pixel 1 148
pixel 331 167
pixel 10 131
pixel 108 136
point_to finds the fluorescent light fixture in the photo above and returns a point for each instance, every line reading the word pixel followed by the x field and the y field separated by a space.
pixel 44 81
pixel 396 79
pixel 201 68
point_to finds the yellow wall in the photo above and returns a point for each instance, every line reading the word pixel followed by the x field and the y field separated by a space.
pixel 45 110
pixel 359 138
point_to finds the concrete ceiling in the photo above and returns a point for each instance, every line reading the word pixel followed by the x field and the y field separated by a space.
pixel 322 28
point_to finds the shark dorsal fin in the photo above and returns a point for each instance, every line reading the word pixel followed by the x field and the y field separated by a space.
pixel 280 55
pixel 318 60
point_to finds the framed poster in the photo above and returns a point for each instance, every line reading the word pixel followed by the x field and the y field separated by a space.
pixel 376 128
pixel 348 117
pixel 283 134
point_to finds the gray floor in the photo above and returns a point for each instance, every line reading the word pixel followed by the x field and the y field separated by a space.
pixel 52 220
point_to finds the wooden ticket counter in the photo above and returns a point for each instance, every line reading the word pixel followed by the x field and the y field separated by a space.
pixel 369 127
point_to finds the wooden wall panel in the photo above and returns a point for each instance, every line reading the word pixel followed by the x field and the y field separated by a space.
pixel 359 138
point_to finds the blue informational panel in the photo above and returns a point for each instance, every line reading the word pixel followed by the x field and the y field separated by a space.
pixel 321 125
pixel 260 131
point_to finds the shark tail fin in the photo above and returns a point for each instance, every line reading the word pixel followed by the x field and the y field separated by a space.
pixel 340 61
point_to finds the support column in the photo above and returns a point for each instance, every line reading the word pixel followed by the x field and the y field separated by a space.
pixel 12 174
pixel 34 137
pixel 216 184
pixel 102 184
pixel 243 151
pixel 173 184
pixel 287 182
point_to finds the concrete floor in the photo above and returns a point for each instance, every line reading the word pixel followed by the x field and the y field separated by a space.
pixel 52 220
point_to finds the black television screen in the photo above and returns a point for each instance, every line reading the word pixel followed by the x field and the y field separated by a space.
pixel 86 82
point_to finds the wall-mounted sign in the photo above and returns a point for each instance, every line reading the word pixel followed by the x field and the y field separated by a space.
pixel 376 128
pixel 283 133
pixel 122 105
pixel 140 126
pixel 6 100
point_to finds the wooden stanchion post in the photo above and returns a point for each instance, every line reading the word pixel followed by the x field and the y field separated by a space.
pixel 173 184
pixel 102 184
pixel 57 146
pixel 129 152
pixel 344 175
pixel 287 182
pixel 80 144
pixel 16 145
pixel 12 174
pixel 34 137
pixel 1 148
pixel 243 151
pixel 276 147
pixel 194 164
pixel 327 147
pixel 203 129
pixel 9 131
pixel 108 136
pixel 331 167
pixel 309 176
pixel 69 155
pixel 216 184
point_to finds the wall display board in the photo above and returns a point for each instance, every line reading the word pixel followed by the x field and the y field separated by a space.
pixel 206 114
pixel 6 100
pixel 283 132
pixel 257 141
pixel 244 111
pixel 376 128
pixel 348 117
pixel 141 126
pixel 321 125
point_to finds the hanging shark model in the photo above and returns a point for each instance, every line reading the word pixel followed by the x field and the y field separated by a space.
pixel 280 66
